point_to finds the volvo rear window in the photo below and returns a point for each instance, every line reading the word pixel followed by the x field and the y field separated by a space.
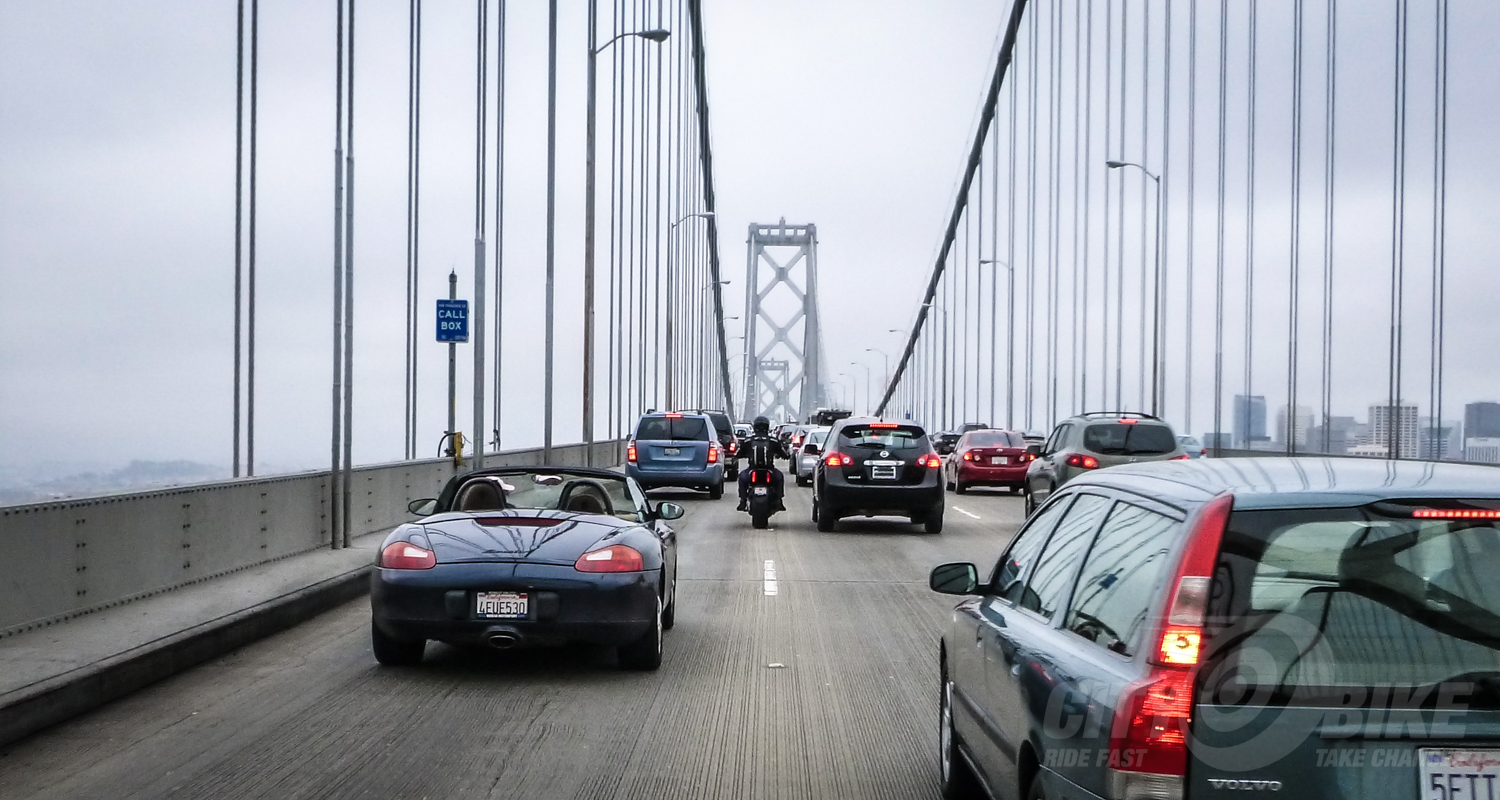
pixel 877 435
pixel 689 429
pixel 1125 439
pixel 1368 597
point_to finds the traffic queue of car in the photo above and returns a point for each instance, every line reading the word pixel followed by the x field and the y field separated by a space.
pixel 1162 625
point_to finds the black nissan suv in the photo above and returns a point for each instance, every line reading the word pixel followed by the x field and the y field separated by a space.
pixel 870 467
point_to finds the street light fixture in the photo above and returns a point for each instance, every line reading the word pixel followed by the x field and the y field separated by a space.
pixel 1156 332
pixel 671 355
pixel 658 36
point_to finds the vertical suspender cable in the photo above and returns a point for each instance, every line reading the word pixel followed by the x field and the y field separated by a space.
pixel 1032 81
pixel 336 418
pixel 1329 117
pixel 1076 317
pixel 1192 185
pixel 1010 276
pixel 1219 255
pixel 1250 228
pixel 1398 238
pixel 411 88
pixel 1109 151
pixel 1141 207
pixel 1084 162
pixel 1439 227
pixel 549 356
pixel 1164 217
pixel 1294 282
pixel 416 227
pixel 1120 214
pixel 499 219
pixel 709 199
pixel 239 158
pixel 348 467
pixel 250 287
pixel 1054 203
pixel 657 302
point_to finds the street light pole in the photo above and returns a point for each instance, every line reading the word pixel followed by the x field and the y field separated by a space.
pixel 588 226
pixel 868 408
pixel 1156 332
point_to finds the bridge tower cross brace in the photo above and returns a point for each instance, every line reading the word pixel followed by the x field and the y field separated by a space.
pixel 783 370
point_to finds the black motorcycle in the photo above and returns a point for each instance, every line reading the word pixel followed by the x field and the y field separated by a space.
pixel 762 500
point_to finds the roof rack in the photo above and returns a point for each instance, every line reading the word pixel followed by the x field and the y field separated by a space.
pixel 1135 414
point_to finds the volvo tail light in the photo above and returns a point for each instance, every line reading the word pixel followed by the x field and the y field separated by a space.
pixel 630 453
pixel 713 454
pixel 615 558
pixel 1148 744
pixel 837 460
pixel 405 555
pixel 1082 461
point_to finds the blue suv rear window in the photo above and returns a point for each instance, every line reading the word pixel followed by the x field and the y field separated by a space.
pixel 682 429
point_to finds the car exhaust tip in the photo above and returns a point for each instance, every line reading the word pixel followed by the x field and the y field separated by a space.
pixel 502 639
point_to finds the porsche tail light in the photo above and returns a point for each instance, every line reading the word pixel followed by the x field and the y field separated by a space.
pixel 1082 461
pixel 837 460
pixel 405 555
pixel 615 558
pixel 931 460
pixel 1148 744
pixel 713 454
pixel 630 453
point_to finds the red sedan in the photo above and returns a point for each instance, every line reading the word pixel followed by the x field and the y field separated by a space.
pixel 987 458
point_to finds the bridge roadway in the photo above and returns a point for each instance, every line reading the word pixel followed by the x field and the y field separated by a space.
pixel 308 713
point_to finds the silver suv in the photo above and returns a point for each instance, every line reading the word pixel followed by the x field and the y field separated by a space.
pixel 1093 441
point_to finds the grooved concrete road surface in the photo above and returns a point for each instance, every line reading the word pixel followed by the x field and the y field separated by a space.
pixel 850 713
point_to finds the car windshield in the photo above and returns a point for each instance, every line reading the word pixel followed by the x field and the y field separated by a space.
pixel 894 437
pixel 1313 600
pixel 816 437
pixel 995 439
pixel 681 429
pixel 1129 439
pixel 563 491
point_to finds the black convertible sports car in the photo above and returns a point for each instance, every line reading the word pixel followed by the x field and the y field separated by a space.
pixel 529 556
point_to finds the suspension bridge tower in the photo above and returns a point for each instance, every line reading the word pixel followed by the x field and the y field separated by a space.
pixel 783 340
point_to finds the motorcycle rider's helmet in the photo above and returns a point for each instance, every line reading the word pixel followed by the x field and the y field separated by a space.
pixel 761 425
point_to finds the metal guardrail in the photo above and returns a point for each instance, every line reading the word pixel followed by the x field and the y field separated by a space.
pixel 70 557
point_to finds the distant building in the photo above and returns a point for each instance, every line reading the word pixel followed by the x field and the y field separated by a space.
pixel 1302 425
pixel 1440 440
pixel 1219 440
pixel 1482 450
pixel 1343 433
pixel 1368 450
pixel 1481 421
pixel 1249 420
pixel 1399 422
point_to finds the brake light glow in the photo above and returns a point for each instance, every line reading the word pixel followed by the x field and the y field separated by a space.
pixel 930 460
pixel 1127 421
pixel 734 447
pixel 1082 461
pixel 1149 739
pixel 405 555
pixel 884 425
pixel 1455 513
pixel 1183 457
pixel 674 416
pixel 713 454
pixel 797 440
pixel 630 453
pixel 837 460
pixel 968 455
pixel 615 558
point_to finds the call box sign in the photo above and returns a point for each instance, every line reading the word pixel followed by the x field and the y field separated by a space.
pixel 453 320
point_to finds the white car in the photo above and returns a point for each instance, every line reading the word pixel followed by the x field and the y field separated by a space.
pixel 805 460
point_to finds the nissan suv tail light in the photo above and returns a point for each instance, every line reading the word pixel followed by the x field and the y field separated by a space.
pixel 931 460
pixel 1148 743
pixel 837 460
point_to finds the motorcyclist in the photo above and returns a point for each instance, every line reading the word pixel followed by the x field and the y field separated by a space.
pixel 761 451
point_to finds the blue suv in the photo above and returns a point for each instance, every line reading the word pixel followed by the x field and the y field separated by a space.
pixel 1317 628
pixel 676 450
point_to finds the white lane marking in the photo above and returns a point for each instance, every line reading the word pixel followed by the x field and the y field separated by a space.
pixel 769 576
pixel 965 513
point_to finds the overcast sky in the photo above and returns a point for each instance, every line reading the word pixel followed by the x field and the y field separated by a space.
pixel 117 175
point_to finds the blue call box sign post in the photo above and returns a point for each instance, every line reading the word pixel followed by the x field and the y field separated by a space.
pixel 452 321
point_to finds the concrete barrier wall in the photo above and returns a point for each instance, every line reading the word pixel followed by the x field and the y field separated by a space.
pixel 62 559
